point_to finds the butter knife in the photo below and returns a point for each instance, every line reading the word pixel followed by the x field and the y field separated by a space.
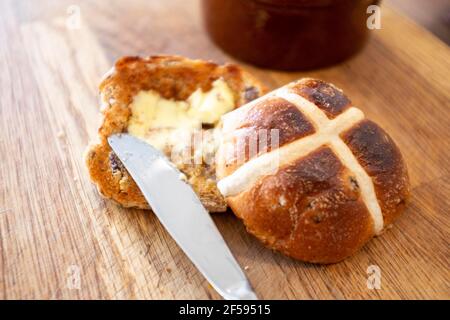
pixel 182 214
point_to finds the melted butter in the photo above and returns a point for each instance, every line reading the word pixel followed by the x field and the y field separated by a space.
pixel 209 106
pixel 166 123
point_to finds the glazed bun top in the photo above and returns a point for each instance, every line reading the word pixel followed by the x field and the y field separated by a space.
pixel 303 154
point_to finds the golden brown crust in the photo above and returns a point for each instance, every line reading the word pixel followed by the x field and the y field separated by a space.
pixel 326 96
pixel 310 210
pixel 313 208
pixel 174 78
pixel 382 160
pixel 255 128
pixel 279 114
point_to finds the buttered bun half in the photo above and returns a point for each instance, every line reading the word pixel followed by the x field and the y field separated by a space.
pixel 166 101
pixel 326 179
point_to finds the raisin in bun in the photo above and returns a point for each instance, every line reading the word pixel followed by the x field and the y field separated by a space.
pixel 333 180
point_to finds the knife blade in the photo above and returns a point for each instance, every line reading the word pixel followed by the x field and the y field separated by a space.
pixel 181 213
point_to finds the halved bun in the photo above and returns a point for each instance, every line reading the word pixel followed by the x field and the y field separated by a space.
pixel 174 78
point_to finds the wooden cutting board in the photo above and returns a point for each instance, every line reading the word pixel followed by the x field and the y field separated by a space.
pixel 60 239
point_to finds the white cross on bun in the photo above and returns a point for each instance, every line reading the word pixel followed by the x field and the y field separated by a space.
pixel 332 182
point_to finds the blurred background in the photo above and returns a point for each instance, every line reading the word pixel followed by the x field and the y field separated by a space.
pixel 432 14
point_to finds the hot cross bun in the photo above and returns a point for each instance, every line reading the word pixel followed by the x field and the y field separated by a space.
pixel 331 182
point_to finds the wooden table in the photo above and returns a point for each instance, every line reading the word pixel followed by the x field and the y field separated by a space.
pixel 54 226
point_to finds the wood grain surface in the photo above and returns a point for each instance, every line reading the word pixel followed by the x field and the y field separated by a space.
pixel 55 226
